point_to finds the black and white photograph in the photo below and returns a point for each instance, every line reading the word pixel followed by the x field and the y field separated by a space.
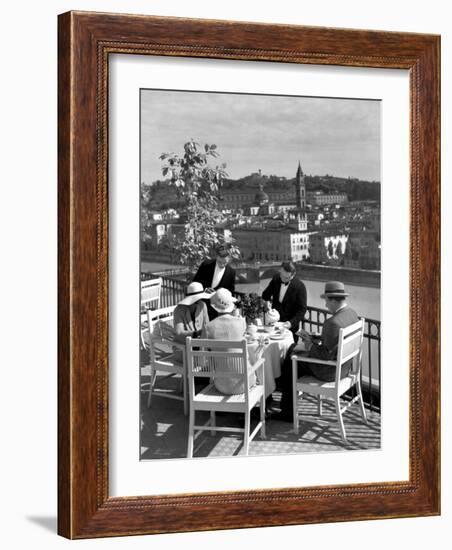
pixel 260 273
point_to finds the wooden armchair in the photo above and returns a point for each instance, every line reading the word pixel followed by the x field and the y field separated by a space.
pixel 349 348
pixel 166 355
pixel 226 361
pixel 149 299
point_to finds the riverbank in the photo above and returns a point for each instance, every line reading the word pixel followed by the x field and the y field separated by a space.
pixel 312 272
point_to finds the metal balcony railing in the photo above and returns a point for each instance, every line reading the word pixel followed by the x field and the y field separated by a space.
pixel 370 372
pixel 173 290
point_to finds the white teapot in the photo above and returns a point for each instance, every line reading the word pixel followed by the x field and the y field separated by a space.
pixel 272 316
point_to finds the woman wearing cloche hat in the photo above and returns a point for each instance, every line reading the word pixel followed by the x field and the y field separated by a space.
pixel 227 326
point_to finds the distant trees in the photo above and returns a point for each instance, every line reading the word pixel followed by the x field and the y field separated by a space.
pixel 354 189
pixel 165 191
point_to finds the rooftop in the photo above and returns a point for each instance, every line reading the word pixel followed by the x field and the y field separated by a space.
pixel 271 229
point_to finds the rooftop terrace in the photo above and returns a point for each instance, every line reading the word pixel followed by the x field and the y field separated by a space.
pixel 164 430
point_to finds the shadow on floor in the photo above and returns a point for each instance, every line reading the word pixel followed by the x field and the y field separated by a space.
pixel 164 430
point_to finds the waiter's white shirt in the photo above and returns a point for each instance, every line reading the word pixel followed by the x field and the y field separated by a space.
pixel 282 291
pixel 217 275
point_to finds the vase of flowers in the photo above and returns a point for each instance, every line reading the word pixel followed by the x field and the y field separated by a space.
pixel 251 306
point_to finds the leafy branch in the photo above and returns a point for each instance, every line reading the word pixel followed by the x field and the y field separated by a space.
pixel 198 184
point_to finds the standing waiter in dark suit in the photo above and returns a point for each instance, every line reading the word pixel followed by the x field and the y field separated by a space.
pixel 216 273
pixel 288 296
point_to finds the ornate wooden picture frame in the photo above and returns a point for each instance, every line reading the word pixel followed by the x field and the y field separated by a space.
pixel 86 41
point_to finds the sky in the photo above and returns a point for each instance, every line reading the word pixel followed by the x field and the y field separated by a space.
pixel 340 137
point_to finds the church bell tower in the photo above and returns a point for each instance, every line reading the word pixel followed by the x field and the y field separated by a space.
pixel 298 217
pixel 300 190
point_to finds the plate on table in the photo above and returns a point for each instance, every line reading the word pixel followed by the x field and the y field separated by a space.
pixel 278 336
pixel 284 332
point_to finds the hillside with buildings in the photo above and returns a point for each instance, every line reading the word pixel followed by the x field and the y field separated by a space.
pixel 323 220
pixel 354 188
pixel 164 195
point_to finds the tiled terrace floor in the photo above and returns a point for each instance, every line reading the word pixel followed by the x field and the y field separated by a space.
pixel 164 430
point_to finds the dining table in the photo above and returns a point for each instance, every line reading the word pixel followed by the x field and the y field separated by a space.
pixel 272 345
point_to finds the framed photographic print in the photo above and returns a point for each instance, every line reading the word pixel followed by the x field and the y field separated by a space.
pixel 248 275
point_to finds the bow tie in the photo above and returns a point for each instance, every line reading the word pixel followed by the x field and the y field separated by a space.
pixel 285 284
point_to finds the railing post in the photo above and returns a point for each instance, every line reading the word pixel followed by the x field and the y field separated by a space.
pixel 369 359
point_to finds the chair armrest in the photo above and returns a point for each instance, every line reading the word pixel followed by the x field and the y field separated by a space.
pixel 177 345
pixel 306 359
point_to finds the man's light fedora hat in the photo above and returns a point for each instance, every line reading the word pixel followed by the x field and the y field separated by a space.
pixel 334 289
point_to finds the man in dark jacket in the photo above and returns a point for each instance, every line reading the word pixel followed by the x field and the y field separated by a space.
pixel 287 295
pixel 323 348
pixel 215 274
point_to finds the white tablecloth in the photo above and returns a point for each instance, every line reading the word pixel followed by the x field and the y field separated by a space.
pixel 273 354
